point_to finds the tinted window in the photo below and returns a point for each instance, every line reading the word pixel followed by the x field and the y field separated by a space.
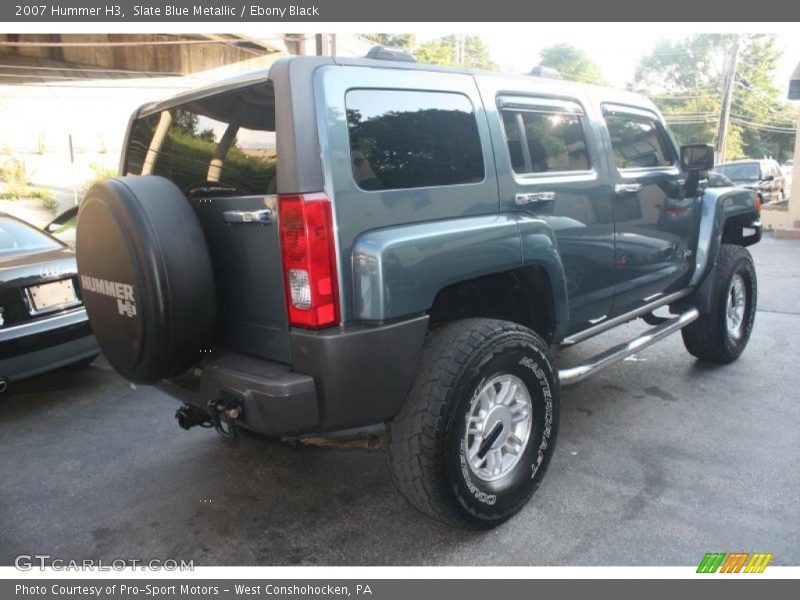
pixel 220 145
pixel 638 142
pixel 19 238
pixel 539 142
pixel 407 139
pixel 740 171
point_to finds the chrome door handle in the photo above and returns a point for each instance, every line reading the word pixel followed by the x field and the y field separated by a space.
pixel 534 197
pixel 262 216
pixel 628 188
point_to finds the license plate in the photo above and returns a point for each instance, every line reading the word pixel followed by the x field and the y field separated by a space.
pixel 49 296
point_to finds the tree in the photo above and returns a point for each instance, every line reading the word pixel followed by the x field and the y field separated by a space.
pixel 401 41
pixel 684 79
pixel 443 51
pixel 572 63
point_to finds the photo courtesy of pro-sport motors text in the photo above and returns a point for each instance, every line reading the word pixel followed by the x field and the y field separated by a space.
pixel 362 299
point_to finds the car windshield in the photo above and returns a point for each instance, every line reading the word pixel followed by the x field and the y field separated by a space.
pixel 740 171
pixel 18 238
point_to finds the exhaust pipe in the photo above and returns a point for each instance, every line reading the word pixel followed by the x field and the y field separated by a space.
pixel 3 385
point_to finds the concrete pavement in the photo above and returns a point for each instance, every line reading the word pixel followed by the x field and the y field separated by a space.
pixel 660 459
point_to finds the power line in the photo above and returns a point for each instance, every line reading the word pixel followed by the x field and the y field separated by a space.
pixel 774 128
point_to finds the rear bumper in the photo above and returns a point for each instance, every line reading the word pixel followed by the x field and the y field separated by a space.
pixel 342 377
pixel 45 344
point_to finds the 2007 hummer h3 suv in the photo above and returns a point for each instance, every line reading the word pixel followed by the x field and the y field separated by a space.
pixel 335 243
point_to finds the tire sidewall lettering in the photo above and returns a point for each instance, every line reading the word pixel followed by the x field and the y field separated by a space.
pixel 508 493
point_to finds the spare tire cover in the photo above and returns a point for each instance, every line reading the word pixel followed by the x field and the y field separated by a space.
pixel 145 276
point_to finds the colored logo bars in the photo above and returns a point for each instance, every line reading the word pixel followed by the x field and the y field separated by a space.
pixel 734 562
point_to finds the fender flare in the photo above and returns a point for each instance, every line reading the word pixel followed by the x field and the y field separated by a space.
pixel 718 207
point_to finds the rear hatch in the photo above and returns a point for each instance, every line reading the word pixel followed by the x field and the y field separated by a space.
pixel 220 150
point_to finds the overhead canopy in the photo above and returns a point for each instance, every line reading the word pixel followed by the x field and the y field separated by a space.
pixel 794 84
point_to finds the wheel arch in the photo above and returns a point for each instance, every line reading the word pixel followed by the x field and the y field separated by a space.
pixel 726 213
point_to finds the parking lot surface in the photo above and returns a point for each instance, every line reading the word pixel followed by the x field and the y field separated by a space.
pixel 660 459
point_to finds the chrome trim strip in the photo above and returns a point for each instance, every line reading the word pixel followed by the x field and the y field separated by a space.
pixel 590 366
pixel 619 320
pixel 263 216
pixel 66 319
pixel 533 197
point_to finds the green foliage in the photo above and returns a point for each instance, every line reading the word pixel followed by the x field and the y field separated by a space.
pixel 684 79
pixel 15 177
pixel 572 63
pixel 99 173
pixel 401 41
pixel 442 51
pixel 46 197
pixel 44 194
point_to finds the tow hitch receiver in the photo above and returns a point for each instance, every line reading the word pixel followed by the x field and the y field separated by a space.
pixel 189 416
pixel 223 412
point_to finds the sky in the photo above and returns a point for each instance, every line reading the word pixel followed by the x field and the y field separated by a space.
pixel 615 54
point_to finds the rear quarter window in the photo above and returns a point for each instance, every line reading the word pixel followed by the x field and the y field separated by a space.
pixel 408 139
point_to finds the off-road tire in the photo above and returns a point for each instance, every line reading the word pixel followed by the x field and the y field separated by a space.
pixel 427 438
pixel 708 338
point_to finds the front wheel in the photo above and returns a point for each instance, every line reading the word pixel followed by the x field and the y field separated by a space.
pixel 722 335
pixel 476 433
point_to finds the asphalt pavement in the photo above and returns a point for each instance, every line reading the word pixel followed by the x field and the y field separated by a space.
pixel 660 459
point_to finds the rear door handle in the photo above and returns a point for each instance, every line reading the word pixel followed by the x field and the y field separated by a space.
pixel 628 188
pixel 262 216
pixel 533 198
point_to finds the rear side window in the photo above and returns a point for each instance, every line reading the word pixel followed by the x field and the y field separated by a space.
pixel 543 141
pixel 215 146
pixel 638 142
pixel 18 238
pixel 406 139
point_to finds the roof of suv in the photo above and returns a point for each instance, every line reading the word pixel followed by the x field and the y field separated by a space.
pixel 748 160
pixel 605 94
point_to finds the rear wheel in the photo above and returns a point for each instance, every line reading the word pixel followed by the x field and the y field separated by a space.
pixel 722 335
pixel 476 433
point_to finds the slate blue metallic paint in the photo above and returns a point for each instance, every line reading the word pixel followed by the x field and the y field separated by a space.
pixel 398 248
pixel 358 211
pixel 580 242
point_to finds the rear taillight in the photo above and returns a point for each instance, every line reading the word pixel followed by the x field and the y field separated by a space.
pixel 309 259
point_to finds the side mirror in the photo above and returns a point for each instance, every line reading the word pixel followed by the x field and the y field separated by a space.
pixel 769 177
pixel 697 157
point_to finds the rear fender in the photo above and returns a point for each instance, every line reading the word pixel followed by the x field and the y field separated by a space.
pixel 398 271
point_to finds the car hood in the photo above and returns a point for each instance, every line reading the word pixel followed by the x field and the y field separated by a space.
pixel 32 266
pixel 747 183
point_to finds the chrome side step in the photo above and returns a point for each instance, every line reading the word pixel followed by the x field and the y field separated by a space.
pixel 590 366
pixel 628 316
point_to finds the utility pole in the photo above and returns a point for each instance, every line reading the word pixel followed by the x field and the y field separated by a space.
pixel 728 81
pixel 460 50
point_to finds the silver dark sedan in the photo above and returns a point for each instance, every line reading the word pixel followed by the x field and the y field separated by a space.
pixel 43 325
